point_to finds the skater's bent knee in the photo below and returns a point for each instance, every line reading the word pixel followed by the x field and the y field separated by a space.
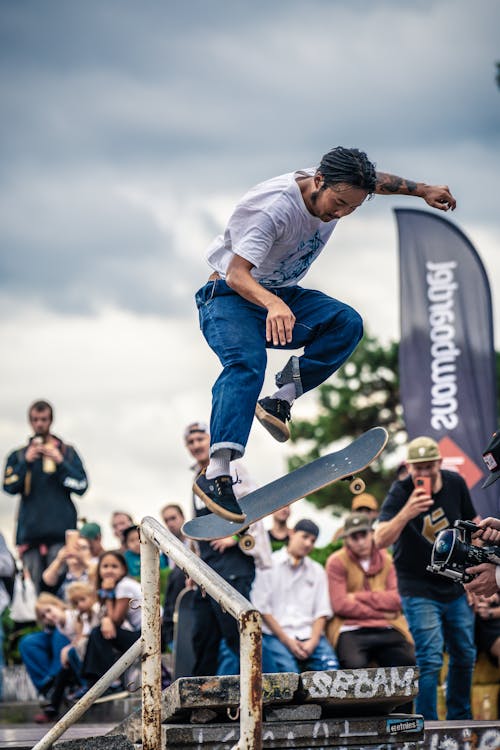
pixel 353 320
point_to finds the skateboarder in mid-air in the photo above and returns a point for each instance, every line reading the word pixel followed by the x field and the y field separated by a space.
pixel 252 301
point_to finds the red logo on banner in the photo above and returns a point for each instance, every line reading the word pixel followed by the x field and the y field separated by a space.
pixel 454 459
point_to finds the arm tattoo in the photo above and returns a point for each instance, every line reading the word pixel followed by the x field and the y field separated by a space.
pixel 389 183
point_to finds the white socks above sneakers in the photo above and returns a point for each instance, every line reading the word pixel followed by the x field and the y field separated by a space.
pixel 286 393
pixel 219 464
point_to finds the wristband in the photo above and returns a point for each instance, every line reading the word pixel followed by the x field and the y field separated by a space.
pixel 235 537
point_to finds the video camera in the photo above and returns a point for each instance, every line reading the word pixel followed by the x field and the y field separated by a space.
pixel 453 552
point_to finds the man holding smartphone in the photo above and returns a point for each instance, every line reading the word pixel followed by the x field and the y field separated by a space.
pixel 415 510
pixel 45 473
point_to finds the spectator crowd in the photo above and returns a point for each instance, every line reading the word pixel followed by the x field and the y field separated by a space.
pixel 373 604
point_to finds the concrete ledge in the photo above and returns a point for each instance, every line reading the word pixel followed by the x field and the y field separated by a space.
pixel 188 693
pixel 357 733
pixel 461 735
pixel 347 692
pixel 116 742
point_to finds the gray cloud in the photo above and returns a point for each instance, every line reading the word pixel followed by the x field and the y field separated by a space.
pixel 184 101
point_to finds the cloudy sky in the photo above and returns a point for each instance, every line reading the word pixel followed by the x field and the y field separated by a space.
pixel 128 131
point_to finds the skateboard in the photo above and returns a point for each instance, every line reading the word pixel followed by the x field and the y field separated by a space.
pixel 184 657
pixel 343 464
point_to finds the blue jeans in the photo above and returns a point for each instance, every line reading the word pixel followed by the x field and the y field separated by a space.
pixel 277 658
pixel 435 626
pixel 235 329
pixel 41 655
pixel 228 660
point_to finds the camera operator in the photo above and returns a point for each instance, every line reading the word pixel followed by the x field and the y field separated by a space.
pixel 487 575
pixel 415 510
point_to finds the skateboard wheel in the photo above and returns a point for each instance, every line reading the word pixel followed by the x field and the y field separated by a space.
pixel 357 486
pixel 247 542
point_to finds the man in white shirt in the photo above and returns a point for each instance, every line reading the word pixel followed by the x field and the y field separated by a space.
pixel 252 301
pixel 293 599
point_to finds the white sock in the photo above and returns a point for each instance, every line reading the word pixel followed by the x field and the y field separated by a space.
pixel 286 393
pixel 219 463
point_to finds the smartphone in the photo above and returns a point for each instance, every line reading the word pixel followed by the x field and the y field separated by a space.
pixel 72 537
pixel 425 483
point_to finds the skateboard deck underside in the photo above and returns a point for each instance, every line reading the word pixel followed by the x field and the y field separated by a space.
pixel 287 489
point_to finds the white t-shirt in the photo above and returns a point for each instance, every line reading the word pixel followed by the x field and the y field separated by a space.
pixel 129 588
pixel 294 596
pixel 272 229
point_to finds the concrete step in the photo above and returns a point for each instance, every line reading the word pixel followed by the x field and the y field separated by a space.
pixel 350 733
pixel 354 692
pixel 344 693
pixel 443 735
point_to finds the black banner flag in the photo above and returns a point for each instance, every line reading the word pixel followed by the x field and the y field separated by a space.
pixel 446 354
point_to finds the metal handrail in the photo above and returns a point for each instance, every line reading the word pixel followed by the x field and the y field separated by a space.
pixel 124 662
pixel 154 537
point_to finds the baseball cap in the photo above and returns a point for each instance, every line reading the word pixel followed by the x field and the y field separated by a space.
pixel 90 530
pixel 308 526
pixel 196 427
pixel 491 458
pixel 365 500
pixel 356 522
pixel 422 449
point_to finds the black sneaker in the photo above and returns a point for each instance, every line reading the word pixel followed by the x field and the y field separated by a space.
pixel 218 496
pixel 273 414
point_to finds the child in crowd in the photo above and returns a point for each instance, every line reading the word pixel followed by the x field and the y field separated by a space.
pixel 76 626
pixel 41 651
pixel 132 554
pixel 72 563
pixel 120 623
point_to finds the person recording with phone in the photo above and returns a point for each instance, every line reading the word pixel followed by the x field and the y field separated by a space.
pixel 73 563
pixel 44 473
pixel 486 581
pixel 429 500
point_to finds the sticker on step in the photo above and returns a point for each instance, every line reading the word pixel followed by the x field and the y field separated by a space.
pixel 416 724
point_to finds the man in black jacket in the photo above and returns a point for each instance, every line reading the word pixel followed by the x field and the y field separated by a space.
pixel 215 632
pixel 45 473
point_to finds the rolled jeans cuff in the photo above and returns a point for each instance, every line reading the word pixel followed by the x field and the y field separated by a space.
pixel 237 450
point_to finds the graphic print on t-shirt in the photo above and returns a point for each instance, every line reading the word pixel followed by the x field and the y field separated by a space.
pixel 434 523
pixel 294 266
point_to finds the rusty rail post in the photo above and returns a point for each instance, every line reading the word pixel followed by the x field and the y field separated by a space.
pixel 151 647
pixel 249 622
pixel 250 680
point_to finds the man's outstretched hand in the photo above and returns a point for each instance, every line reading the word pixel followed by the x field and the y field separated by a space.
pixel 439 196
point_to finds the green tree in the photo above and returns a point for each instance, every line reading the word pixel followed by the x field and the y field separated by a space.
pixel 362 394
